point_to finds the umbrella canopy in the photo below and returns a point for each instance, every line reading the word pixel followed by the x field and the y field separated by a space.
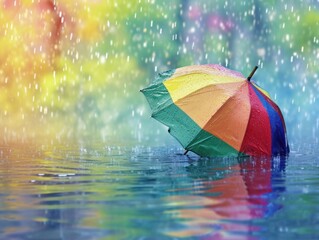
pixel 214 111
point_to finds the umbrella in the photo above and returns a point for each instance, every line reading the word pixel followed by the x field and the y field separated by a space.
pixel 215 111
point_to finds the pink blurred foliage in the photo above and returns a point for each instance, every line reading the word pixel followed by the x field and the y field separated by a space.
pixel 216 22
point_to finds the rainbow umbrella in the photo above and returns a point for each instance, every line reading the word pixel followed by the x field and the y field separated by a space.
pixel 214 111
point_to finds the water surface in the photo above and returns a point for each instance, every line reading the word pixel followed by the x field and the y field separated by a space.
pixel 102 191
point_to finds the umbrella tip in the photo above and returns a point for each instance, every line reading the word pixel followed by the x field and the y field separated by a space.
pixel 252 73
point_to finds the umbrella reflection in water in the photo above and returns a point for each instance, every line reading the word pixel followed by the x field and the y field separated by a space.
pixel 229 195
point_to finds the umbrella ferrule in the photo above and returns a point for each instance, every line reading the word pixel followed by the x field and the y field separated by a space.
pixel 252 73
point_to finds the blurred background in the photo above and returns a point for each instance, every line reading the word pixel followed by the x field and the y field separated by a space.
pixel 73 69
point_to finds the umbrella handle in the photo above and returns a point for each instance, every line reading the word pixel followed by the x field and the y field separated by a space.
pixel 252 73
pixel 186 151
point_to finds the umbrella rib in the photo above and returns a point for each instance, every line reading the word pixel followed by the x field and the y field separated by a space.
pixel 164 104
pixel 200 128
pixel 241 145
pixel 219 109
pixel 162 107
pixel 222 106
pixel 212 84
pixel 234 79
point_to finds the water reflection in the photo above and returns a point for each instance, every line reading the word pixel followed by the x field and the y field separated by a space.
pixel 81 192
pixel 228 195
pixel 58 192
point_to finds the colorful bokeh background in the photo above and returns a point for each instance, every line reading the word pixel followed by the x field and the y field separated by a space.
pixel 73 69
